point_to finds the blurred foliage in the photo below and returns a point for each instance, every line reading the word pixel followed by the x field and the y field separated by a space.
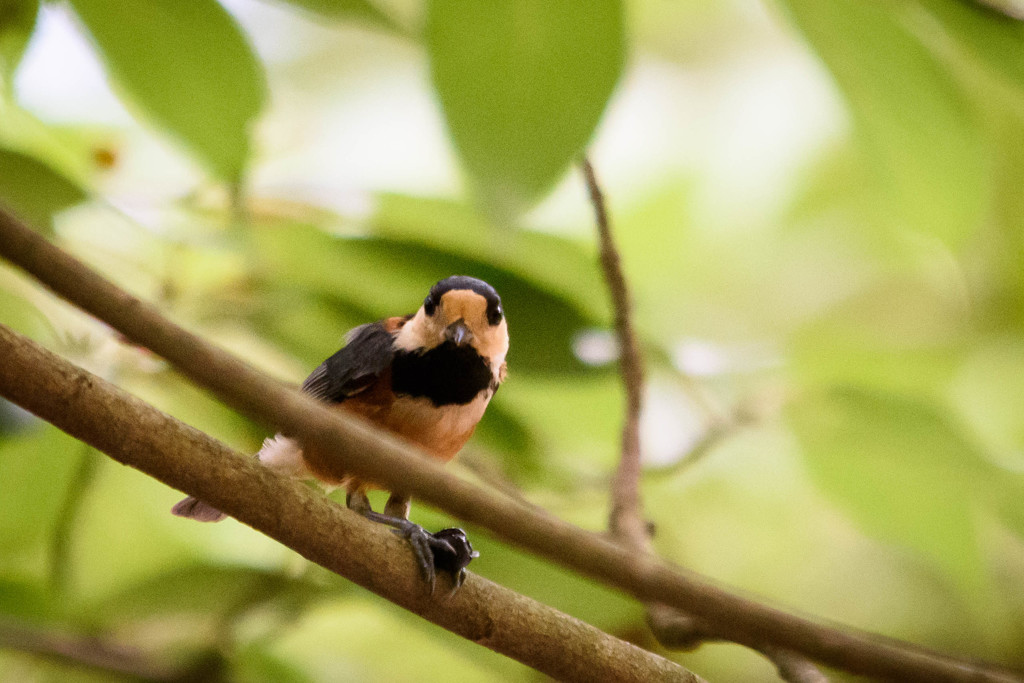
pixel 935 479
pixel 207 95
pixel 523 85
pixel 33 190
pixel 919 131
pixel 819 211
pixel 17 18
pixel 354 10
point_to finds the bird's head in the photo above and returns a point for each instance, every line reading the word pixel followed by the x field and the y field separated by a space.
pixel 463 311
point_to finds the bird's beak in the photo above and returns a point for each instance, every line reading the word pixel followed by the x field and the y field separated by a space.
pixel 458 332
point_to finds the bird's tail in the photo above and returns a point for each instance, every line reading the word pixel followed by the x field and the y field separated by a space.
pixel 193 508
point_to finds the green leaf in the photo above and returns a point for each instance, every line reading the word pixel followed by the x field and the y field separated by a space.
pixel 254 664
pixel 34 191
pixel 898 333
pixel 21 315
pixel 205 591
pixel 17 20
pixel 988 390
pixel 35 469
pixel 188 67
pixel 513 440
pixel 558 264
pixel 1011 503
pixel 358 10
pixel 29 601
pixel 902 472
pixel 302 322
pixel 172 393
pixel 209 598
pixel 384 276
pixel 994 38
pixel 523 85
pixel 917 128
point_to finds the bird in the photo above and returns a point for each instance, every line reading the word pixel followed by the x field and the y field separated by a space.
pixel 427 378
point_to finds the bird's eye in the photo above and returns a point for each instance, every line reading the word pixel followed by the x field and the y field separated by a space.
pixel 494 315
pixel 429 306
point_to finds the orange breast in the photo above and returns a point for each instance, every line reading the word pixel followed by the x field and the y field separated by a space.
pixel 441 432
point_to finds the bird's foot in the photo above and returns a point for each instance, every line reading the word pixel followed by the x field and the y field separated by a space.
pixel 456 561
pixel 448 550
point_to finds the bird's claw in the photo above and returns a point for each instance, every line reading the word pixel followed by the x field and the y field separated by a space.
pixel 447 550
pixel 424 546
pixel 457 556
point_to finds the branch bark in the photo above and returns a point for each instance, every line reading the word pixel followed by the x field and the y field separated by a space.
pixel 136 434
pixel 676 630
pixel 376 456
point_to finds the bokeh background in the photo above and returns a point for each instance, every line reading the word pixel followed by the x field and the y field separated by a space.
pixel 820 212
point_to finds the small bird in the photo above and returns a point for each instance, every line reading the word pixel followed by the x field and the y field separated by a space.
pixel 427 378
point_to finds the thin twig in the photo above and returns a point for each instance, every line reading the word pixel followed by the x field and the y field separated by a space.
pixel 373 455
pixel 626 520
pixel 677 630
pixel 672 628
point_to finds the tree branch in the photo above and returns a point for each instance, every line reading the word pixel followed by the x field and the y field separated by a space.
pixel 136 434
pixel 376 456
pixel 677 630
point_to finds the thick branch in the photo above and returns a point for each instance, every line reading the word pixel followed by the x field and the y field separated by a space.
pixel 375 456
pixel 626 520
pixel 136 434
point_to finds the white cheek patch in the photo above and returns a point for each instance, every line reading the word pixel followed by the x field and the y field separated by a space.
pixel 417 334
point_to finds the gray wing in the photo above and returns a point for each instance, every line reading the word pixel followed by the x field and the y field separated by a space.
pixel 355 367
